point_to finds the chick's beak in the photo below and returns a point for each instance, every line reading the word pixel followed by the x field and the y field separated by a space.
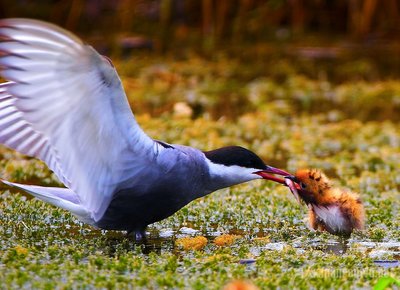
pixel 289 180
pixel 292 183
pixel 268 172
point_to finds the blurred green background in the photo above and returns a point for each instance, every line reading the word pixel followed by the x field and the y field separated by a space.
pixel 226 58
pixel 320 31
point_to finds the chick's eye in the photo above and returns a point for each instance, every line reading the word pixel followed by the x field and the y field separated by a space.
pixel 303 185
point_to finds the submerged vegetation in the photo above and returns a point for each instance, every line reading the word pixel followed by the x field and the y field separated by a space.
pixel 350 130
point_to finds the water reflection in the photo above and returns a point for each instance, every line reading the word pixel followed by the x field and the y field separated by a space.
pixel 387 263
pixel 338 247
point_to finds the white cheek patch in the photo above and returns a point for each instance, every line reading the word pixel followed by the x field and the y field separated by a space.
pixel 235 174
pixel 332 217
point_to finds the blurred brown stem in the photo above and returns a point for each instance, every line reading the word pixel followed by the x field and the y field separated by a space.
pixel 74 14
pixel 165 21
pixel 208 25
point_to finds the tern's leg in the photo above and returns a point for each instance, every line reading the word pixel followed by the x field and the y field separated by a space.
pixel 138 235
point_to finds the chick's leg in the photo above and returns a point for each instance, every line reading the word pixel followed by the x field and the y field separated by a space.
pixel 312 219
pixel 314 222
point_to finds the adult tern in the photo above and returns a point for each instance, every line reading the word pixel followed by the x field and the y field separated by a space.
pixel 64 104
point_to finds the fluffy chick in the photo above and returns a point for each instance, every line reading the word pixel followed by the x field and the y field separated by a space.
pixel 335 210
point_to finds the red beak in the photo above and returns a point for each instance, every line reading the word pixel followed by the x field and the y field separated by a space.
pixel 267 174
pixel 289 180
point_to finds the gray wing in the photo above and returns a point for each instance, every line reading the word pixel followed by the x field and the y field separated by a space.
pixel 65 105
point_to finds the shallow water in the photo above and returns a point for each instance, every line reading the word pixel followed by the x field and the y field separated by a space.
pixel 159 241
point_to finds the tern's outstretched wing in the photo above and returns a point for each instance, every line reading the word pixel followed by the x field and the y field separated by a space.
pixel 65 105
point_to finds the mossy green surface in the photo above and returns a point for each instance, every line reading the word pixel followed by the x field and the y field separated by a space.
pixel 350 131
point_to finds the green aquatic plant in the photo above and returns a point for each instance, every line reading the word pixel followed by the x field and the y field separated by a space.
pixel 385 282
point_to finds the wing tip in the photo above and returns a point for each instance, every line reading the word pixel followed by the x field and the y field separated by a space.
pixel 6 182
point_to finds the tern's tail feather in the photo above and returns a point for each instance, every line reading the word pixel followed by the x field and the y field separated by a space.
pixel 61 197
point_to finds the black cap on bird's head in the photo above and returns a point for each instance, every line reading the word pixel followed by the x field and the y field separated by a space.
pixel 235 155
pixel 244 158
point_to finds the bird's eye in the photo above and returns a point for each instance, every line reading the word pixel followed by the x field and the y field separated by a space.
pixel 303 185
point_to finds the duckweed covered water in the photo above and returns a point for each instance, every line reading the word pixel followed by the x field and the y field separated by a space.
pixel 45 247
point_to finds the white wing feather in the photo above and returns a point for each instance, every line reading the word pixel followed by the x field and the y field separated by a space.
pixel 65 105
pixel 61 197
